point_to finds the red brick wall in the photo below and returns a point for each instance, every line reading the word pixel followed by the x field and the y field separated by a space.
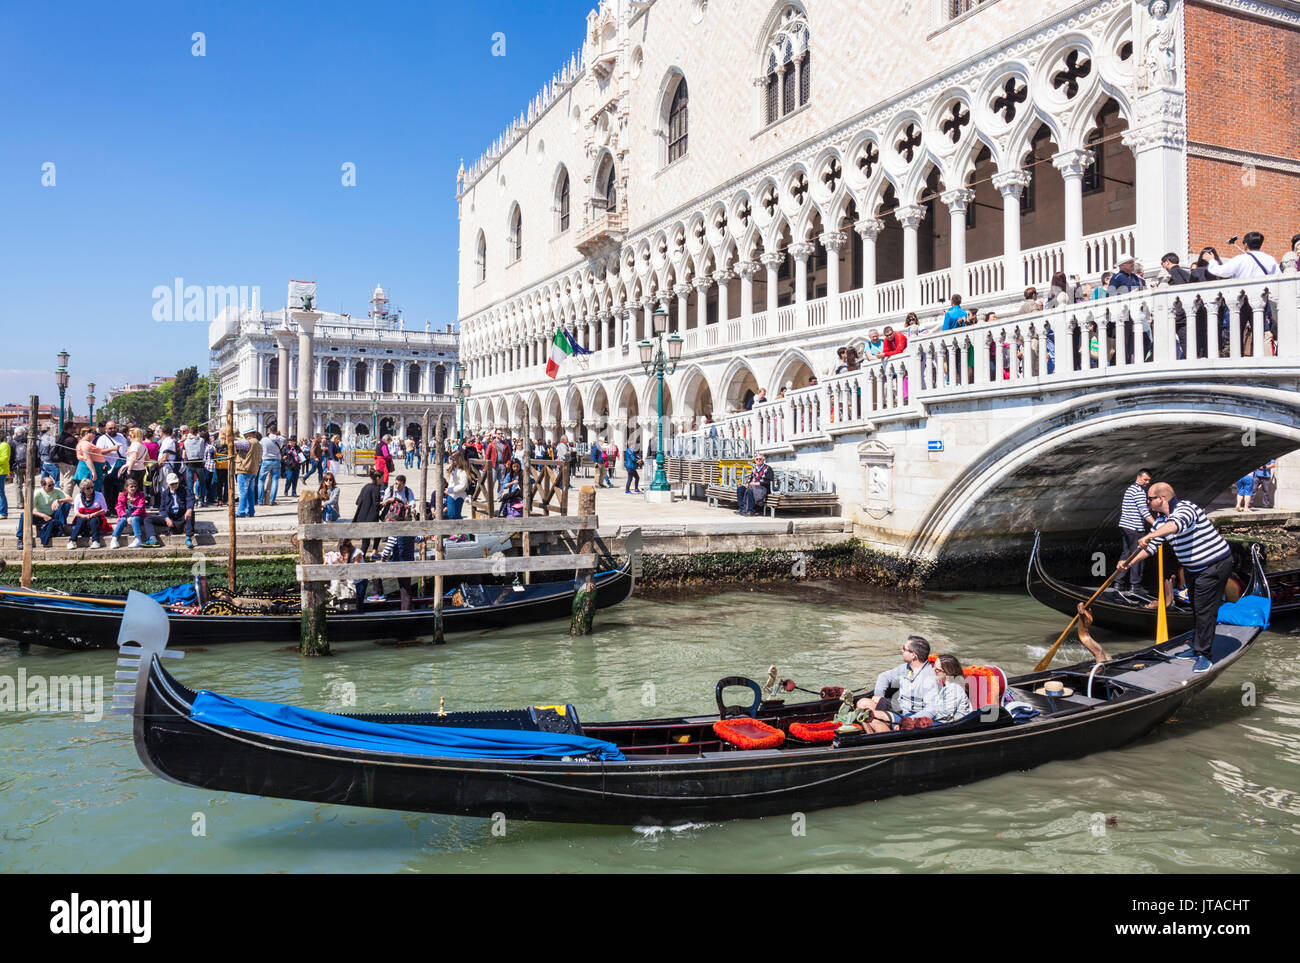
pixel 1230 55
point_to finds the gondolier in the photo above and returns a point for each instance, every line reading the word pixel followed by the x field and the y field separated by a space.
pixel 1134 519
pixel 1204 556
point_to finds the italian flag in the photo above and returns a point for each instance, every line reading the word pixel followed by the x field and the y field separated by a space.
pixel 561 348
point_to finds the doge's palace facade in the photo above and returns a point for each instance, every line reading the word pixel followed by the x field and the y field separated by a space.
pixel 780 177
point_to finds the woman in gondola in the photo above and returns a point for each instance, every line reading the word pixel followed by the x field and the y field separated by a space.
pixel 368 503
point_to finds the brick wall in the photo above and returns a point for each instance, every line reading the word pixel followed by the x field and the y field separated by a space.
pixel 1230 55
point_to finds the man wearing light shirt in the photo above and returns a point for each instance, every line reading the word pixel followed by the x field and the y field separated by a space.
pixel 113 444
pixel 914 679
pixel 268 482
pixel 1252 263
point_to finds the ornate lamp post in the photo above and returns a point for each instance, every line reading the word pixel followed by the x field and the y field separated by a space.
pixel 462 392
pixel 656 363
pixel 61 379
pixel 374 411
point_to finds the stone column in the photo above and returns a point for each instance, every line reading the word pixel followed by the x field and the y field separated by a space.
pixel 869 229
pixel 306 330
pixel 1011 184
pixel 722 278
pixel 282 340
pixel 800 252
pixel 1072 164
pixel 647 318
pixel 1158 138
pixel 683 291
pixel 746 270
pixel 833 242
pixel 702 300
pixel 772 261
pixel 910 218
pixel 602 329
pixel 958 200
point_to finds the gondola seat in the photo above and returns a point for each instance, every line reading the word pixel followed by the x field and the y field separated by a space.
pixel 815 731
pixel 747 733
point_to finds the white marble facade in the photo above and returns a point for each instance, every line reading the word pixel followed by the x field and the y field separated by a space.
pixel 843 163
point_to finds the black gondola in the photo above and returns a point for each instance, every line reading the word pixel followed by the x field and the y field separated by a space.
pixel 1123 612
pixel 645 772
pixel 63 624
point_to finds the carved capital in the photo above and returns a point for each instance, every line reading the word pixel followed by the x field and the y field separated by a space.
pixel 747 269
pixel 1012 183
pixel 772 259
pixel 682 290
pixel 958 199
pixel 869 228
pixel 722 277
pixel 703 283
pixel 1072 163
pixel 910 216
pixel 802 250
pixel 833 241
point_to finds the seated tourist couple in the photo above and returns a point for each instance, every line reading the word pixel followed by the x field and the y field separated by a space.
pixel 935 692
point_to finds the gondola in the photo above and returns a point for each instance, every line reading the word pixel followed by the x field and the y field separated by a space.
pixel 1123 612
pixel 93 621
pixel 543 763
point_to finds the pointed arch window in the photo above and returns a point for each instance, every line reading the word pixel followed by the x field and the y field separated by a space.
pixel 787 66
pixel 607 185
pixel 480 257
pixel 677 122
pixel 332 375
pixel 564 201
pixel 516 235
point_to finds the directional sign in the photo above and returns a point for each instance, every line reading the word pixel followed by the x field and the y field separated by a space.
pixel 934 445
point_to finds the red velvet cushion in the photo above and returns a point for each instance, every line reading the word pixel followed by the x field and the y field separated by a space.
pixel 746 733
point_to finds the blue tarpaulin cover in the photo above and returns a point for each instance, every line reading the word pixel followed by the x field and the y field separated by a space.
pixel 176 595
pixel 324 728
pixel 1251 610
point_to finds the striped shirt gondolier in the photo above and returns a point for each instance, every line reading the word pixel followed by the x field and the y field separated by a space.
pixel 1196 543
pixel 1133 510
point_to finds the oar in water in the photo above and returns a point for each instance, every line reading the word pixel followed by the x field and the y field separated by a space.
pixel 1046 660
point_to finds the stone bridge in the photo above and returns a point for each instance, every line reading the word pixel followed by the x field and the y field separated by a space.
pixel 973 438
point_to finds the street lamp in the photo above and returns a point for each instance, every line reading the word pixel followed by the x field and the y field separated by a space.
pixel 61 379
pixel 374 411
pixel 90 402
pixel 657 363
pixel 462 392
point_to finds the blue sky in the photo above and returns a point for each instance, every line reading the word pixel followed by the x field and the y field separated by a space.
pixel 226 168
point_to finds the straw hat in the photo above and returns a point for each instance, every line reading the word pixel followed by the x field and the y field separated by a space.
pixel 1056 689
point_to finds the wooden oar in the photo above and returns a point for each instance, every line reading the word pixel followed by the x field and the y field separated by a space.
pixel 62 598
pixel 1046 660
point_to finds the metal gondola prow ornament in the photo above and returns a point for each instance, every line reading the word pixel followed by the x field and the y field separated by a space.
pixel 143 634
pixel 633 546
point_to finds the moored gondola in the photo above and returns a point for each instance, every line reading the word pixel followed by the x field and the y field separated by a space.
pixel 1132 614
pixel 93 622
pixel 544 763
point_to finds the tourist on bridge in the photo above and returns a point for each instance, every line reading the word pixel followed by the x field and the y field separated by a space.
pixel 874 346
pixel 1204 555
pixel 893 343
pixel 1127 277
pixel 1252 262
pixel 1134 519
pixel 955 316
pixel 751 496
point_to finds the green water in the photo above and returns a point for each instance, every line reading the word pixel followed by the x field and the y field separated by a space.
pixel 1217 789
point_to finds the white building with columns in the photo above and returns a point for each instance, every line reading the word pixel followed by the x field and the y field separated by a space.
pixel 781 176
pixel 363 371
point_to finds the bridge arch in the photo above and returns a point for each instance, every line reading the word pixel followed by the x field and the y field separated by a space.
pixel 1065 472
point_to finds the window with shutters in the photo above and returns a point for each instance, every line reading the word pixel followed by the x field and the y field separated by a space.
pixel 677 122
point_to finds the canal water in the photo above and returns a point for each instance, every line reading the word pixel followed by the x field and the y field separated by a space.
pixel 1216 789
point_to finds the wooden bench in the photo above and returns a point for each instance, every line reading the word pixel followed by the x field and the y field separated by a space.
pixel 828 502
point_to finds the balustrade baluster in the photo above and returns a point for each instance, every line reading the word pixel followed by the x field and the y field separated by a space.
pixel 1234 327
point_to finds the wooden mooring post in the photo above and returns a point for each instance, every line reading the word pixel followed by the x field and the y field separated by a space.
pixel 583 612
pixel 232 492
pixel 29 492
pixel 312 639
pixel 439 495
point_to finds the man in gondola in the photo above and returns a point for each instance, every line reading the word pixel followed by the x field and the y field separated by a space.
pixel 914 680
pixel 1204 556
pixel 1134 519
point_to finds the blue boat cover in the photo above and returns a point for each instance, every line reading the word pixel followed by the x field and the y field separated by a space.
pixel 1251 610
pixel 325 728
pixel 176 595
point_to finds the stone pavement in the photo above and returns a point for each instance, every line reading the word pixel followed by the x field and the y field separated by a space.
pixel 685 525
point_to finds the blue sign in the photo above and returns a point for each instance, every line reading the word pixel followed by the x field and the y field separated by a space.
pixel 935 445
